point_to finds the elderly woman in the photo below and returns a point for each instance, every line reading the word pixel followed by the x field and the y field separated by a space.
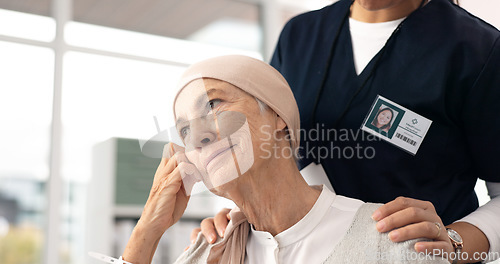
pixel 240 124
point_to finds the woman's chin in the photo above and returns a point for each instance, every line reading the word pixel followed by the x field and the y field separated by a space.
pixel 220 175
pixel 224 188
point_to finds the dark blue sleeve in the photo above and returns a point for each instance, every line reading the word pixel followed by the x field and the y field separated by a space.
pixel 481 118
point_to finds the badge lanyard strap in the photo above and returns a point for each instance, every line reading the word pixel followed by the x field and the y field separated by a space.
pixel 329 60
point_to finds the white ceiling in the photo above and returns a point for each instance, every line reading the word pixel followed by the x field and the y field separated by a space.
pixel 171 18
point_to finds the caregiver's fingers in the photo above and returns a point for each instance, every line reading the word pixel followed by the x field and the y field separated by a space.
pixel 405 217
pixel 208 230
pixel 437 248
pixel 399 204
pixel 431 230
pixel 221 221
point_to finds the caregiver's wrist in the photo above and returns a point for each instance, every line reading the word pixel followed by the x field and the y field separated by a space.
pixel 475 242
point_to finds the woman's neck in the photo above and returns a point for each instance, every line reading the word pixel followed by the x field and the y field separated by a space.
pixel 274 199
pixel 361 10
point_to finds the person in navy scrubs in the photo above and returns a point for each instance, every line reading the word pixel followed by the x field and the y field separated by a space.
pixel 440 62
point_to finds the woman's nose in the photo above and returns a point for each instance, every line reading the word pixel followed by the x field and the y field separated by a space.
pixel 203 132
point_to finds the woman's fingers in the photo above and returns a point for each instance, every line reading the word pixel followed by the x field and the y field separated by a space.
pixel 190 175
pixel 167 200
pixel 167 149
pixel 172 181
pixel 221 221
pixel 172 163
pixel 208 230
pixel 165 167
pixel 189 172
pixel 424 229
pixel 210 226
pixel 160 171
pixel 170 149
pixel 194 234
pixel 176 148
pixel 399 204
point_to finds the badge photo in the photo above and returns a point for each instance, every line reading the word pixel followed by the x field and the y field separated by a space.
pixel 396 124
pixel 384 118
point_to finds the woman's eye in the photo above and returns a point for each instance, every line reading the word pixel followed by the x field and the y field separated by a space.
pixel 214 103
pixel 184 132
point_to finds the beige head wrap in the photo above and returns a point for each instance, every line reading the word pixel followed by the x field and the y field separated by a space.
pixel 254 77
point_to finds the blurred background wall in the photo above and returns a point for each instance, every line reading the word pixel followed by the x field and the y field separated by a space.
pixel 80 82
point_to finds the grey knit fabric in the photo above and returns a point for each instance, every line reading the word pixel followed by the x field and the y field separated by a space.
pixel 362 244
pixel 197 252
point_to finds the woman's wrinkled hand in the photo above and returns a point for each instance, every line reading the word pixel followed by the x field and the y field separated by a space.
pixel 170 191
pixel 407 218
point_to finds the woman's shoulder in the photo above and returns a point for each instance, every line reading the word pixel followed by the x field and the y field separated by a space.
pixel 347 203
pixel 372 246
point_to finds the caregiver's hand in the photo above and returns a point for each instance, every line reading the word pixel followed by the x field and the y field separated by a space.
pixel 167 201
pixel 408 218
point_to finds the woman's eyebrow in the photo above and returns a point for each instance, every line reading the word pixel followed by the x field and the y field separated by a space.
pixel 201 98
pixel 179 121
pixel 205 96
pixel 214 91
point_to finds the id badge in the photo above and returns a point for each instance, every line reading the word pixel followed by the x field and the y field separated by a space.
pixel 396 124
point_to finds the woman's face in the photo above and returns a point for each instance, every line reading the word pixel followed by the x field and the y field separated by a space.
pixel 221 127
pixel 384 118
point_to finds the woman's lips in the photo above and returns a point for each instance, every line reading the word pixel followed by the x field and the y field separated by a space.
pixel 215 154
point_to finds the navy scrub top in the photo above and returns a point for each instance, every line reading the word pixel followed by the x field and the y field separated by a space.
pixel 443 64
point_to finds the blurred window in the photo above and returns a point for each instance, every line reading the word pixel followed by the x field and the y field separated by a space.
pixel 25 118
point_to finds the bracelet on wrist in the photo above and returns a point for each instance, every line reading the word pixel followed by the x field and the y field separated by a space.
pixel 108 259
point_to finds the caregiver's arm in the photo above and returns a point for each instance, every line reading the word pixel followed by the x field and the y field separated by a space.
pixel 165 206
pixel 486 218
